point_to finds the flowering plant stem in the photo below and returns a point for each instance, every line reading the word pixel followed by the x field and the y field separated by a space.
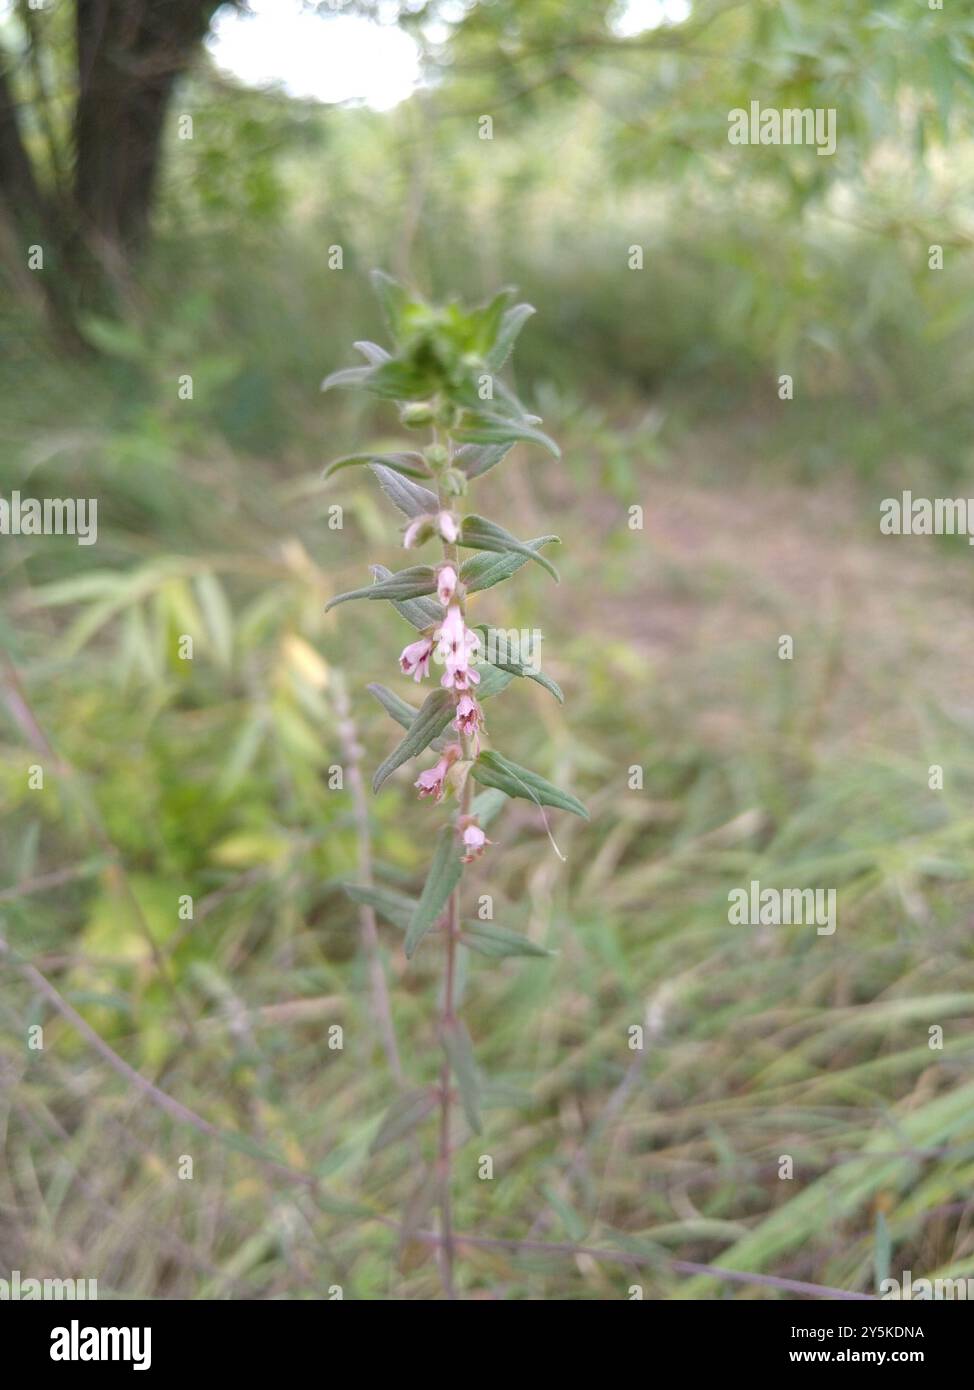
pixel 443 375
pixel 448 1012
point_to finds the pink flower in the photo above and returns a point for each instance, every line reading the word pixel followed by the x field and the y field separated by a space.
pixel 446 583
pixel 415 659
pixel 411 533
pixel 474 839
pixel 470 717
pixel 456 642
pixel 432 782
pixel 448 527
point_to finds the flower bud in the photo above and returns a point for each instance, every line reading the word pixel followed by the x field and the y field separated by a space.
pixel 446 584
pixel 437 456
pixel 419 530
pixel 447 524
pixel 416 415
pixel 454 482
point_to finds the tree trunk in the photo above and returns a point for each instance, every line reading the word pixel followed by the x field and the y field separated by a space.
pixel 93 227
pixel 31 219
pixel 130 53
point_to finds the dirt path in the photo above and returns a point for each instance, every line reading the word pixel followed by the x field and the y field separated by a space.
pixel 881 621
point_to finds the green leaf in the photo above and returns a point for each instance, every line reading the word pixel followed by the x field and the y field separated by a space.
pixel 423 613
pixel 401 710
pixel 473 460
pixel 459 1053
pixel 394 298
pixel 494 941
pixel 114 339
pixel 443 877
pixel 492 770
pixel 492 681
pixel 403 1116
pixel 434 714
pixel 487 806
pixel 411 499
pixel 410 464
pixel 408 583
pixel 399 380
pixel 511 324
pixel 487 427
pixel 372 352
pixel 477 533
pixel 219 618
pixel 347 376
pixel 486 324
pixel 397 908
pixel 484 571
pixel 515 668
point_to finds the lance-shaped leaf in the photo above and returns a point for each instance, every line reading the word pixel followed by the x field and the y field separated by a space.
pixel 443 877
pixel 484 571
pixel 393 379
pixel 372 353
pixel 483 427
pixel 492 681
pixel 434 714
pixel 408 463
pixel 486 323
pixel 516 668
pixel 404 1114
pixel 512 322
pixel 423 613
pixel 394 298
pixel 473 460
pixel 409 497
pixel 459 1053
pixel 487 806
pixel 347 376
pixel 401 710
pixel 397 908
pixel 477 533
pixel 493 941
pixel 400 380
pixel 493 770
pixel 408 583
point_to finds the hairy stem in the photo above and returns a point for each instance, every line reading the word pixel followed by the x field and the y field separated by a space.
pixel 448 1013
pixel 446 1098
